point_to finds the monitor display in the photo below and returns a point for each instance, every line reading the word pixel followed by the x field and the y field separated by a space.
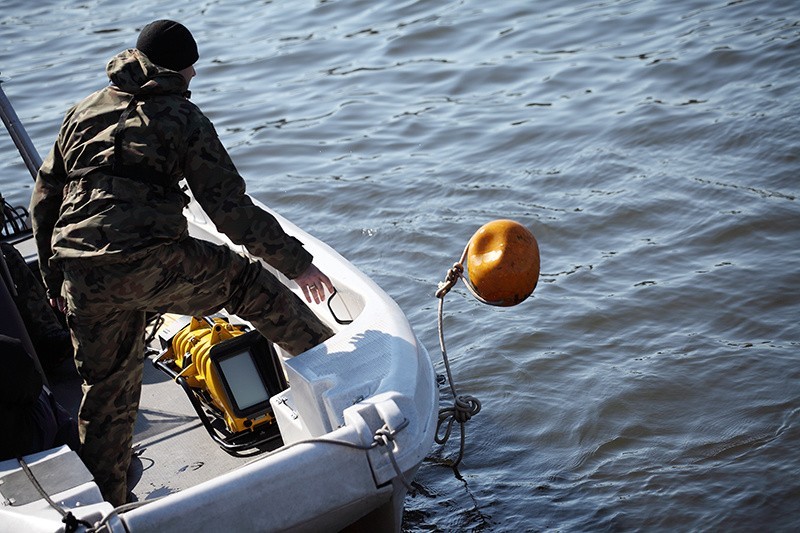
pixel 243 380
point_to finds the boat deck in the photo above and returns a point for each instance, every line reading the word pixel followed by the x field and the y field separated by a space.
pixel 172 450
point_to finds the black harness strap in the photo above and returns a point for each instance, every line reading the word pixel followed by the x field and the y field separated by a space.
pixel 117 168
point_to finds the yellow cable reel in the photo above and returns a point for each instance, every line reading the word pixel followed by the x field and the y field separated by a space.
pixel 191 350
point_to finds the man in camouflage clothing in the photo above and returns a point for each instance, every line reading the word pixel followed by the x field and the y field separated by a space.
pixel 112 239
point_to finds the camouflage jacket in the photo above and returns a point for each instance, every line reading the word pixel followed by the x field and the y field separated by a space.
pixel 109 192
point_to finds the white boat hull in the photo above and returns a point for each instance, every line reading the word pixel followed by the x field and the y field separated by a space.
pixel 373 376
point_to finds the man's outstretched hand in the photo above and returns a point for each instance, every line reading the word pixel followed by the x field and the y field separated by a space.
pixel 313 282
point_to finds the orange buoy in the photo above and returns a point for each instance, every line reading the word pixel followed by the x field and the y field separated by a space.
pixel 503 262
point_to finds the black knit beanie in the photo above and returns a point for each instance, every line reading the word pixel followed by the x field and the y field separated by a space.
pixel 168 44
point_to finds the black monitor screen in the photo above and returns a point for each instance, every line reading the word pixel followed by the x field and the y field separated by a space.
pixel 243 380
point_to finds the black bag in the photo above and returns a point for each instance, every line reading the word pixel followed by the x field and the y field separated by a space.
pixel 30 418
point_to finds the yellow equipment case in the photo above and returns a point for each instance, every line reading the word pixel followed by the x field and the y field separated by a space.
pixel 229 373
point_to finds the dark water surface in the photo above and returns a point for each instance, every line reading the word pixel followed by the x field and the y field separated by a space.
pixel 653 381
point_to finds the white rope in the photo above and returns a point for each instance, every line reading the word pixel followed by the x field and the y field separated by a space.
pixel 464 406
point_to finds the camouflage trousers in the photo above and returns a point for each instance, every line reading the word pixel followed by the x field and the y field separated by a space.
pixel 106 307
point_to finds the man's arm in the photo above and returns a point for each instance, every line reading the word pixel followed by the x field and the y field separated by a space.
pixel 220 189
pixel 44 209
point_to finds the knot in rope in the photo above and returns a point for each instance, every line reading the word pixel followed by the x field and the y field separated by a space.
pixel 465 407
pixel 453 275
pixel 384 437
pixel 71 522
